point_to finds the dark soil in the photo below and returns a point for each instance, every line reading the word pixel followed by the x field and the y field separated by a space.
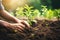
pixel 42 30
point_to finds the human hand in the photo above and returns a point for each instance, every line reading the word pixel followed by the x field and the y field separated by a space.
pixel 20 26
pixel 24 23
pixel 15 26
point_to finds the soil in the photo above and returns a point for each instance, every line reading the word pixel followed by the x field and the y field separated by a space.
pixel 42 30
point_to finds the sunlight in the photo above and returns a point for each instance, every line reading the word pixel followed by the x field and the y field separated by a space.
pixel 13 4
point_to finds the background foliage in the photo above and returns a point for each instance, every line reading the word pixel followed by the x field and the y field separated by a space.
pixel 38 9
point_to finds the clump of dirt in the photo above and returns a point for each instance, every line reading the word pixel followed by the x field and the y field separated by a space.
pixel 44 30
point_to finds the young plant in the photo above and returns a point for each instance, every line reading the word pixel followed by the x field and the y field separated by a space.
pixel 28 12
pixel 57 13
pixel 49 14
pixel 19 12
pixel 44 10
pixel 31 14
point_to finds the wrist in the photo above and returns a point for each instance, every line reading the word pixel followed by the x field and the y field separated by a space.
pixel 4 23
pixel 16 20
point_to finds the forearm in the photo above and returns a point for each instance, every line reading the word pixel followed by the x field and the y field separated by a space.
pixel 7 16
pixel 4 23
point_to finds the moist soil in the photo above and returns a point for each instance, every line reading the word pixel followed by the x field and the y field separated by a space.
pixel 42 30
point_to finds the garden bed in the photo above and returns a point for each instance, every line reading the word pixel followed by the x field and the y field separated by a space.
pixel 42 30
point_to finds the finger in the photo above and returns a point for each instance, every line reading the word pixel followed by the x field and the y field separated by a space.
pixel 16 29
pixel 19 28
pixel 26 24
pixel 19 24
pixel 22 25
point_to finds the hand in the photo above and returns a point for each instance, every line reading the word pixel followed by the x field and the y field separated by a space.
pixel 15 26
pixel 24 23
pixel 20 26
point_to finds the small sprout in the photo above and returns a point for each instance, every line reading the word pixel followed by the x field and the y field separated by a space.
pixel 15 30
pixel 36 28
pixel 32 35
pixel 47 24
pixel 34 21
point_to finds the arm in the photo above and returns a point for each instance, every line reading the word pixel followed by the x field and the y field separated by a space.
pixel 7 16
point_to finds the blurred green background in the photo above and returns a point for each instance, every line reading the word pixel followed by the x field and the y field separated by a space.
pixel 34 8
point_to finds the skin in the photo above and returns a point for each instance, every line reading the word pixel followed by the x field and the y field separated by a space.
pixel 17 24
